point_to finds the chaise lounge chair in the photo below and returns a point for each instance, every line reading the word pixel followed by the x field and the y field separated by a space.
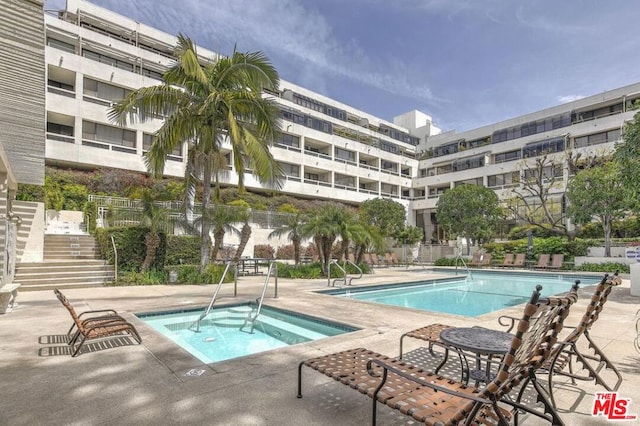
pixel 557 261
pixel 433 399
pixel 519 260
pixel 95 327
pixel 568 353
pixel 507 261
pixel 543 261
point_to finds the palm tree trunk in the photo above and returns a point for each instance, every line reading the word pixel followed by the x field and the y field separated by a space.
pixel 205 239
pixel 218 239
pixel 152 242
pixel 245 234
pixel 296 250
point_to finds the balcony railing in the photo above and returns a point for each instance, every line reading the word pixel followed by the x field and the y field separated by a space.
pixel 61 138
pixel 62 92
pixel 108 146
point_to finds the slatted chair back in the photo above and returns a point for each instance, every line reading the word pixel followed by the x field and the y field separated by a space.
pixel 65 302
pixel 536 333
pixel 519 260
pixel 598 299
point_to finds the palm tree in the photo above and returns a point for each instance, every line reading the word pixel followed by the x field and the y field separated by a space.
pixel 208 105
pixel 153 216
pixel 324 227
pixel 221 217
pixel 293 229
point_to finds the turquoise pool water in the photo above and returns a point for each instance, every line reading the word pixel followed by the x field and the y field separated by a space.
pixel 221 337
pixel 484 292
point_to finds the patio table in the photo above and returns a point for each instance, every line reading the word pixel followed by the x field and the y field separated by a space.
pixel 486 345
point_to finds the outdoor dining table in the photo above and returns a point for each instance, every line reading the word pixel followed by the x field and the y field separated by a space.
pixel 487 346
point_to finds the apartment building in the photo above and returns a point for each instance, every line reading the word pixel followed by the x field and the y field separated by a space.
pixel 328 150
pixel 499 156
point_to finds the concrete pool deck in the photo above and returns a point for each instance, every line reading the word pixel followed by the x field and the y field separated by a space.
pixel 159 383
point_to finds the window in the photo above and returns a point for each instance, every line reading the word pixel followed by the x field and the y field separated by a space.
pixel 290 140
pixel 597 138
pixel 532 128
pixel 118 63
pixel 100 90
pixel 503 180
pixel 468 163
pixel 474 181
pixel 147 140
pixel 345 154
pixel 507 156
pixel 59 129
pixel 67 47
pixel 344 180
pixel 291 169
pixel 544 147
pixel 549 172
pixel 108 134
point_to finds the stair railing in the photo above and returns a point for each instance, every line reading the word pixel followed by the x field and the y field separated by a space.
pixel 203 315
pixel 345 279
pixel 115 257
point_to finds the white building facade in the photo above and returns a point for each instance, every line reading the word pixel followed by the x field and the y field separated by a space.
pixel 328 150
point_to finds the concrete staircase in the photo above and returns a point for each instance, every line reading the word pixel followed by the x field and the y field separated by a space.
pixel 71 260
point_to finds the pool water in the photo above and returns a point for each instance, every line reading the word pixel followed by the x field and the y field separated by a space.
pixel 470 297
pixel 224 334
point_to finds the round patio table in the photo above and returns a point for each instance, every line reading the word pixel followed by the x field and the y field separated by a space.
pixel 485 344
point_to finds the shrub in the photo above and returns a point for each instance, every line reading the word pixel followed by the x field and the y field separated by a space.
pixel 309 271
pixel 263 251
pixel 141 278
pixel 182 249
pixel 603 267
pixel 131 247
pixel 285 252
pixel 445 261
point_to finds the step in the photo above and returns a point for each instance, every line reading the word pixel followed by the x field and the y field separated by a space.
pixel 61 286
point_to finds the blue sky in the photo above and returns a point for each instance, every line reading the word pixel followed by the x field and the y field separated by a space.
pixel 466 63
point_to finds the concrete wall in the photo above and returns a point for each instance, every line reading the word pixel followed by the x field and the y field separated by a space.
pixel 22 88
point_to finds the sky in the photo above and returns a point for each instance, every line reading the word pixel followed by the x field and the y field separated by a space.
pixel 466 63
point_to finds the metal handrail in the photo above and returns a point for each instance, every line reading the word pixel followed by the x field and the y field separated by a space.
pixel 213 299
pixel 344 271
pixel 273 266
pixel 459 256
pixel 115 261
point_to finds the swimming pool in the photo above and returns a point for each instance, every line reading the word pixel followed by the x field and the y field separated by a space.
pixel 484 292
pixel 224 335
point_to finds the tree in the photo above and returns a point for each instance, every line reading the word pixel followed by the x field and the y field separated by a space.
pixel 206 106
pixel 242 213
pixel 221 217
pixel 293 229
pixel 387 215
pixel 597 193
pixel 324 226
pixel 627 155
pixel 156 218
pixel 470 211
pixel 537 199
pixel 410 235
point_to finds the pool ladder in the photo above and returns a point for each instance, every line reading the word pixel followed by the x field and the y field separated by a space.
pixel 195 327
pixel 459 257
pixel 345 279
pixel 252 317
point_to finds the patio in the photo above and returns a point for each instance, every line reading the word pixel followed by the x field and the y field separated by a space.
pixel 159 383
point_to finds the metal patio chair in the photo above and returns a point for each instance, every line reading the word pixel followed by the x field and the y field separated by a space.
pixel 95 327
pixel 437 400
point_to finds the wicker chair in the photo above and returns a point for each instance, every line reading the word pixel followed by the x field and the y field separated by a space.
pixel 433 399
pixel 95 327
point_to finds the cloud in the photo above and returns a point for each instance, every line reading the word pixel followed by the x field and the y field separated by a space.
pixel 300 37
pixel 569 98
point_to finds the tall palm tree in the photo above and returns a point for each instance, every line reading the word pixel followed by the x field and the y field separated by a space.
pixel 208 105
pixel 293 229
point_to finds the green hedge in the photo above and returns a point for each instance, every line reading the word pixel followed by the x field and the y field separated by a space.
pixel 186 274
pixel 314 270
pixel 604 267
pixel 131 247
